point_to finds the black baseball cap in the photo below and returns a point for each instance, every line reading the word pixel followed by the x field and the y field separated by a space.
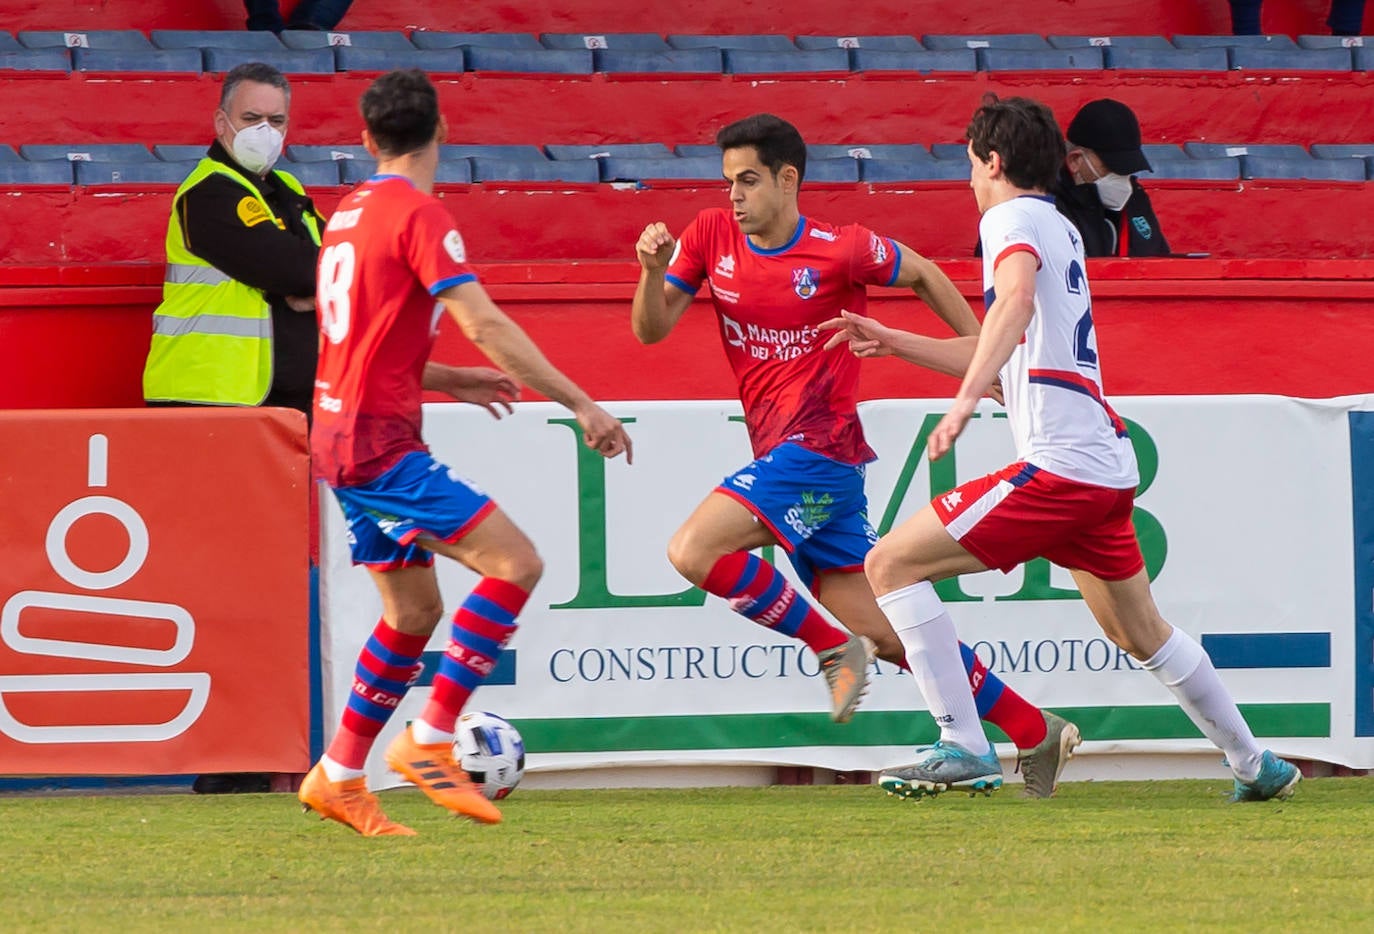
pixel 1110 129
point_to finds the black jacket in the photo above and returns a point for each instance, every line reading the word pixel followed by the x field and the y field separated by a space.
pixel 281 262
pixel 1101 228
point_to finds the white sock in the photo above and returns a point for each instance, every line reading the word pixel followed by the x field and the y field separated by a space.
pixel 1183 667
pixel 426 735
pixel 337 771
pixel 932 651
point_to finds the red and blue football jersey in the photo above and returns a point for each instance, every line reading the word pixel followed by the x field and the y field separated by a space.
pixel 768 303
pixel 386 252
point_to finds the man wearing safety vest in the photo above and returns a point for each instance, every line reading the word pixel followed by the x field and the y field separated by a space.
pixel 236 325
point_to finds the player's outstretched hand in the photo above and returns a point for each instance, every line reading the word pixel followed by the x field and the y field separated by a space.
pixel 867 337
pixel 483 386
pixel 604 434
pixel 655 247
pixel 949 428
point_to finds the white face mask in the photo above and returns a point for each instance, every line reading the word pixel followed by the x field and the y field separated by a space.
pixel 258 147
pixel 1114 190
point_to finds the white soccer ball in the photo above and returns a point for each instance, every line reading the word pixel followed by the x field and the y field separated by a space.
pixel 491 751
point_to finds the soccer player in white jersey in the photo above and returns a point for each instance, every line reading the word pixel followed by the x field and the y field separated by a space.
pixel 1070 493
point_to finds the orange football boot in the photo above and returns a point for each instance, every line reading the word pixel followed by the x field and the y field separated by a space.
pixel 432 769
pixel 348 802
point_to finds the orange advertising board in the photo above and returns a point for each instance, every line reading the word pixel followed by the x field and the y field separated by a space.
pixel 154 596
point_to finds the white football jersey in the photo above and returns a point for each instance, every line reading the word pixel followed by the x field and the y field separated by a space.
pixel 1053 380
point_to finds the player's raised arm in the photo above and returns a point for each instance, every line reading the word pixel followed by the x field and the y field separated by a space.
pixel 657 304
pixel 507 345
pixel 869 337
pixel 933 287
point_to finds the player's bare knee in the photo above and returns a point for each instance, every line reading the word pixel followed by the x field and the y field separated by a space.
pixel 688 559
pixel 524 568
pixel 881 568
pixel 419 618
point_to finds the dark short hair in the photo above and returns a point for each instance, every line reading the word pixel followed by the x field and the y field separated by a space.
pixel 775 140
pixel 259 72
pixel 1024 133
pixel 401 110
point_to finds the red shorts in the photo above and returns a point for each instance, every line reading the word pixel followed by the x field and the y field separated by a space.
pixel 1023 512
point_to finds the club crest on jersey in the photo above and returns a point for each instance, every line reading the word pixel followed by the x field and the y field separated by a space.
pixel 805 281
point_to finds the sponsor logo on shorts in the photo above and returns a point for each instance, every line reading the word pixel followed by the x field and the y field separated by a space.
pixel 952 499
pixel 744 481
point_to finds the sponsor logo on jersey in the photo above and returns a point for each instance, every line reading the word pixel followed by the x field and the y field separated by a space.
pixel 826 235
pixel 769 343
pixel 805 281
pixel 878 247
pixel 725 295
pixel 453 245
pixel 725 266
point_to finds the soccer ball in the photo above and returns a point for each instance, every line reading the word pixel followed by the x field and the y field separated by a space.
pixel 491 751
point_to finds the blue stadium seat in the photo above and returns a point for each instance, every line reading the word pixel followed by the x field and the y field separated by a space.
pixel 876 43
pixel 107 39
pixel 1222 168
pixel 183 61
pixel 440 61
pixel 1114 42
pixel 36 173
pixel 768 43
pixel 954 152
pixel 1290 59
pixel 797 61
pixel 563 152
pixel 132 173
pixel 454 172
pixel 1363 59
pixel 944 60
pixel 313 39
pixel 1342 150
pixel 670 61
pixel 94 152
pixel 693 150
pixel 449 152
pixel 36 60
pixel 584 171
pixel 1350 170
pixel 1088 58
pixel 312 174
pixel 867 151
pixel 1005 41
pixel 353 171
pixel 529 62
pixel 7 154
pixel 426 39
pixel 622 169
pixel 216 39
pixel 844 169
pixel 8 43
pixel 1274 150
pixel 1334 42
pixel 1158 152
pixel 287 61
pixel 914 170
pixel 180 152
pixel 620 41
pixel 1170 59
pixel 1234 42
pixel 326 153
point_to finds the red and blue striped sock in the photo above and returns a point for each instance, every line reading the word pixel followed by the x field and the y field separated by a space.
pixel 999 705
pixel 387 666
pixel 755 589
pixel 481 628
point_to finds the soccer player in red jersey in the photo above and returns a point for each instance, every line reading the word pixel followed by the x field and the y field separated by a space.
pixel 774 276
pixel 391 264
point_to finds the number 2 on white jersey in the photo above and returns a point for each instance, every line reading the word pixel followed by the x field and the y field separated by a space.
pixel 332 285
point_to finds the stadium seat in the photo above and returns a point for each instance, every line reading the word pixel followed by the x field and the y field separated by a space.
pixel 950 151
pixel 1363 58
pixel 1158 152
pixel 106 39
pixel 1334 42
pixel 1350 170
pixel 1273 150
pixel 312 174
pixel 584 171
pixel 353 171
pixel 620 41
pixel 797 61
pixel 1168 59
pixel 185 61
pixel 54 172
pixel 843 169
pixel 449 152
pixel 631 169
pixel 440 61
pixel 216 39
pixel 1113 42
pixel 8 43
pixel 180 152
pixel 914 170
pixel 93 152
pixel 563 152
pixel 883 60
pixel 867 151
pixel 1088 58
pixel 768 43
pixel 1290 59
pixel 875 43
pixel 692 150
pixel 1005 41
pixel 1234 42
pixel 530 61
pixel 425 39
pixel 132 173
pixel 455 172
pixel 669 61
pixel 326 153
pixel 287 61
pixel 1222 168
pixel 1342 150
pixel 36 60
pixel 313 39
pixel 7 154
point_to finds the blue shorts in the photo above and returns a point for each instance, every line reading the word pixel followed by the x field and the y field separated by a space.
pixel 417 497
pixel 813 505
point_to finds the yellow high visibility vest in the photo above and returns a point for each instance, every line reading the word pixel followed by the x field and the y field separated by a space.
pixel 212 336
